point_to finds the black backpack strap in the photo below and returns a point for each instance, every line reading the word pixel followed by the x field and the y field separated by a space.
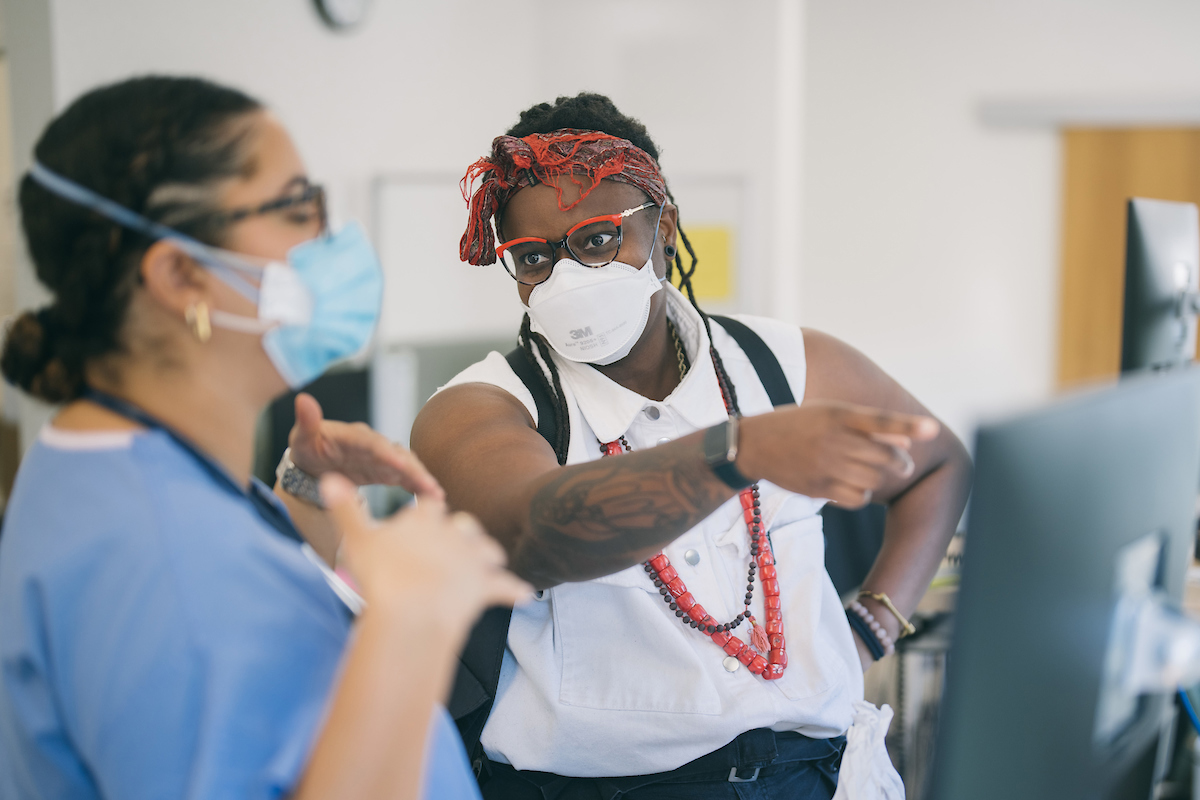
pixel 527 371
pixel 762 359
pixel 477 679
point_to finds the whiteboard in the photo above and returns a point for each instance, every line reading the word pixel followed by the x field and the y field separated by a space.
pixel 429 295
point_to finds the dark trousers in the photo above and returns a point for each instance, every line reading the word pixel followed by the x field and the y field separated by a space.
pixel 762 764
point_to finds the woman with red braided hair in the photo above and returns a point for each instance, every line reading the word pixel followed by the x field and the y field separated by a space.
pixel 639 460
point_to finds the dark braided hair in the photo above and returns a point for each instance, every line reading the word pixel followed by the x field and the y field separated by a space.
pixel 157 145
pixel 596 112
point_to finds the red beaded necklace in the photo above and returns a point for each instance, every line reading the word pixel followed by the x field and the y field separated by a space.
pixel 762 560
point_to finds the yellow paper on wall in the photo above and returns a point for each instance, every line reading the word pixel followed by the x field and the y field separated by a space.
pixel 714 278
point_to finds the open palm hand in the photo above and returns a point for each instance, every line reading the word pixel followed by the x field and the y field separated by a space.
pixel 355 450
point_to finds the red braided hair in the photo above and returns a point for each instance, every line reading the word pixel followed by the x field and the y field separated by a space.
pixel 544 158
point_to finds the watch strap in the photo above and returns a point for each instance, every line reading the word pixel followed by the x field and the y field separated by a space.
pixel 720 451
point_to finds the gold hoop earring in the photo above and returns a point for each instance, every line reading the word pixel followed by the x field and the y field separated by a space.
pixel 197 319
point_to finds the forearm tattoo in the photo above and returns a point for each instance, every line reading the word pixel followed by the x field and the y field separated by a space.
pixel 597 518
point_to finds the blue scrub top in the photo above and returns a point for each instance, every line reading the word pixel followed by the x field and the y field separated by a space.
pixel 158 638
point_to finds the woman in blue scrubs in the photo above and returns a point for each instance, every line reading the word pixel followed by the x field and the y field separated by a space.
pixel 163 632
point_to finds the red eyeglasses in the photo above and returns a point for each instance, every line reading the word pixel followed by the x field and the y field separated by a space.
pixel 594 242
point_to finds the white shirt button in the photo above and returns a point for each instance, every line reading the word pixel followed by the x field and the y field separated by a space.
pixel 652 412
pixel 664 440
pixel 692 557
pixel 731 664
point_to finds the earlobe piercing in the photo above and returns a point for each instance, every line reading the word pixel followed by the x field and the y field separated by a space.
pixel 197 319
pixel 669 251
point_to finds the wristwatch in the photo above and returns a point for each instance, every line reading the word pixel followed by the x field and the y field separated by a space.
pixel 297 482
pixel 720 451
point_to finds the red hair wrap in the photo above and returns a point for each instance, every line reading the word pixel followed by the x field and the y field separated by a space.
pixel 544 158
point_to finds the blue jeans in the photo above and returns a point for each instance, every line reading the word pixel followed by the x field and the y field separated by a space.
pixel 787 765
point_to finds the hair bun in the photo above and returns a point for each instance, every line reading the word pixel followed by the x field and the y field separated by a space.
pixel 31 358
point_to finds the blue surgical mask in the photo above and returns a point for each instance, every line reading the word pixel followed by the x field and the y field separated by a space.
pixel 319 307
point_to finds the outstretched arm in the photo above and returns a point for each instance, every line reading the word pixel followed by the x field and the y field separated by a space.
pixel 579 522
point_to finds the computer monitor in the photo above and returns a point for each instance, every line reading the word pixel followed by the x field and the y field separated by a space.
pixel 1074 506
pixel 1162 251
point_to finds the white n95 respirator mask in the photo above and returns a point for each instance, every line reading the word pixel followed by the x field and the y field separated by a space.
pixel 593 315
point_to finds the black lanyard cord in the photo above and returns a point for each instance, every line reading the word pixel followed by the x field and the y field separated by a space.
pixel 254 494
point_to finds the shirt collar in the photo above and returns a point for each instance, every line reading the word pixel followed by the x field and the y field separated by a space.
pixel 610 409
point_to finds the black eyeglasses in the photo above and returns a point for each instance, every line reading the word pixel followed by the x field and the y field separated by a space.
pixel 310 195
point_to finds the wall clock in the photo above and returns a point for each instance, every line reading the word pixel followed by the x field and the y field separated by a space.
pixel 342 14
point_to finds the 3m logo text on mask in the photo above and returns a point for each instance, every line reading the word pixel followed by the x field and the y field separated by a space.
pixel 593 314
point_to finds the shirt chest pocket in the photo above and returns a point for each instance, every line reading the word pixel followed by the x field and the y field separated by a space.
pixel 620 651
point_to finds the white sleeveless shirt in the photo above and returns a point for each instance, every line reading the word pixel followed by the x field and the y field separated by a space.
pixel 599 677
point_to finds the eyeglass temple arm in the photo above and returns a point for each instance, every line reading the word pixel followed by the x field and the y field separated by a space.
pixel 631 211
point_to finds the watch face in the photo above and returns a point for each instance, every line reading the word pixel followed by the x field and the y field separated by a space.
pixel 342 13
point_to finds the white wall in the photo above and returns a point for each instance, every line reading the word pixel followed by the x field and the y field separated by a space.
pixel 423 87
pixel 932 240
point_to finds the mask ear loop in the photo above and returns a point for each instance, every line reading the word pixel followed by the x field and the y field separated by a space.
pixel 223 266
pixel 654 241
pixel 240 324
